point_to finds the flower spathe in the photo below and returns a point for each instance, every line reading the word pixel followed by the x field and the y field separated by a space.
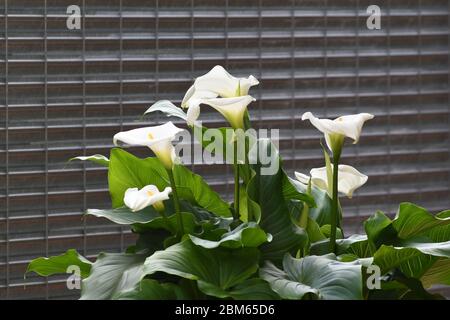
pixel 137 200
pixel 222 91
pixel 158 139
pixel 346 126
pixel 349 179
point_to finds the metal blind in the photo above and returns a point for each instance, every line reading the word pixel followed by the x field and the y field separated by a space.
pixel 64 93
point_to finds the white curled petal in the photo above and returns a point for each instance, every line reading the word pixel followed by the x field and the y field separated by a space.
pixel 187 96
pixel 233 109
pixel 246 84
pixel 303 178
pixel 193 112
pixel 319 178
pixel 219 81
pixel 147 136
pixel 135 199
pixel 349 126
pixel 350 179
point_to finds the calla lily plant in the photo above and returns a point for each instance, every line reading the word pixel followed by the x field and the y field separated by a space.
pixel 278 239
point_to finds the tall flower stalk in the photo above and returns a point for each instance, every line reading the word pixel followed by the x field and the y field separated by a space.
pixel 335 132
pixel 176 202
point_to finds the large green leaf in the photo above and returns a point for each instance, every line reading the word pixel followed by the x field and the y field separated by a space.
pixel 96 158
pixel 113 275
pixel 146 219
pixel 59 264
pixel 192 187
pixel 319 276
pixel 127 171
pixel 428 262
pixel 125 216
pixel 275 216
pixel 346 245
pixel 215 270
pixel 412 220
pixel 245 235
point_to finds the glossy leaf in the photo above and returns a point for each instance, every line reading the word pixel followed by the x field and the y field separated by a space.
pixel 127 171
pixel 112 275
pixel 245 235
pixel 275 216
pixel 215 270
pixel 319 276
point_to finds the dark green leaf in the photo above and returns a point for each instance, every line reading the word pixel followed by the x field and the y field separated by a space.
pixel 245 235
pixel 321 276
pixel 113 275
pixel 216 270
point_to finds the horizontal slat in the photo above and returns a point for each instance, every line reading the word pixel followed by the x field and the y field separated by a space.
pixel 235 56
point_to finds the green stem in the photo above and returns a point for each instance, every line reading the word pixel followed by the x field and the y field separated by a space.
pixel 236 181
pixel 176 202
pixel 335 203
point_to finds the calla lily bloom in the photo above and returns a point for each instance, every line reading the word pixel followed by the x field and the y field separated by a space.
pixel 158 139
pixel 335 130
pixel 223 92
pixel 349 179
pixel 137 200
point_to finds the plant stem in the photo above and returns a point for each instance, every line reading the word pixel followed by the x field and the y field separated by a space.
pixel 334 203
pixel 176 203
pixel 236 181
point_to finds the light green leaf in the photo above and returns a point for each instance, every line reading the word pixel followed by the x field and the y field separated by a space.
pixel 428 262
pixel 59 264
pixel 245 235
pixel 96 158
pixel 168 108
pixel 216 270
pixel 193 188
pixel 125 216
pixel 326 231
pixel 113 275
pixel 412 220
pixel 321 276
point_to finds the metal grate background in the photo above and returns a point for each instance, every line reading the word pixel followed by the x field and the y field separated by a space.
pixel 64 93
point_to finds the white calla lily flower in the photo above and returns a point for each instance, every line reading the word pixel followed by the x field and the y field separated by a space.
pixel 349 179
pixel 233 109
pixel 158 139
pixel 137 200
pixel 335 130
pixel 222 91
